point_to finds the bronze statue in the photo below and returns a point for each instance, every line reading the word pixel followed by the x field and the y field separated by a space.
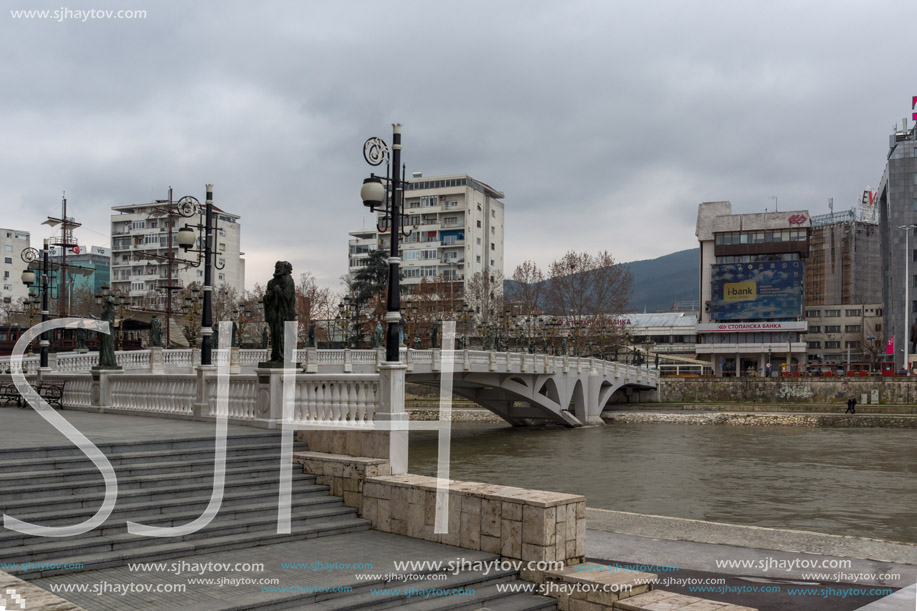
pixel 234 337
pixel 311 340
pixel 279 302
pixel 80 338
pixel 155 332
pixel 264 337
pixel 107 340
pixel 377 336
pixel 435 339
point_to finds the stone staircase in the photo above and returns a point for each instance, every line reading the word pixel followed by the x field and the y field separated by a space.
pixel 168 483
pixel 162 483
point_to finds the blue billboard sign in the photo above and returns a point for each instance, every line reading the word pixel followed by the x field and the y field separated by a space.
pixel 757 291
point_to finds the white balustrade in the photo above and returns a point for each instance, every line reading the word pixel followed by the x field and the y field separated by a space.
pixel 242 399
pixel 338 398
pixel 172 394
pixel 30 364
pixel 133 359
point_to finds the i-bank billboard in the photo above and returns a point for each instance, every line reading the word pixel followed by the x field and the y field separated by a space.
pixel 754 291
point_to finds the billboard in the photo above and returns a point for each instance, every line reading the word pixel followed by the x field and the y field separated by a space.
pixel 756 291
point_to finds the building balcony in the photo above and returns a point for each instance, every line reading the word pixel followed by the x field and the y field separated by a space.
pixel 452 243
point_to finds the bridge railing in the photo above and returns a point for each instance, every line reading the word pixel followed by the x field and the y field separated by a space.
pixel 354 361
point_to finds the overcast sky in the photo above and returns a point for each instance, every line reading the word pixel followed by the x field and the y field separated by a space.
pixel 604 123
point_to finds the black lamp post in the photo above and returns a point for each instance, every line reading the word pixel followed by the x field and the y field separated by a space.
pixel 43 279
pixel 189 206
pixel 375 196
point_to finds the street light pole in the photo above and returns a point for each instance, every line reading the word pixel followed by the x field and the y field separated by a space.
pixel 376 196
pixel 44 305
pixel 207 320
pixel 905 334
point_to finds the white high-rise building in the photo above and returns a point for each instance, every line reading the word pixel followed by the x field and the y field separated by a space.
pixel 456 225
pixel 139 251
pixel 12 243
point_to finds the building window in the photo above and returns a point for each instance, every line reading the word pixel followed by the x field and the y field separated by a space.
pixel 479 222
pixel 493 214
pixel 479 258
pixel 814 344
pixel 832 313
pixel 852 345
pixel 915 178
pixel 480 208
pixel 479 240
pixel 852 329
pixel 832 329
pixel 493 246
pixel 220 277
pixel 854 312
pixel 9 261
pixel 832 344
pixel 815 329
pixel 8 248
pixel 222 246
pixel 815 313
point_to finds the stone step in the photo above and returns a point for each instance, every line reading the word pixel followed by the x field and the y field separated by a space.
pixel 88 472
pixel 180 513
pixel 56 548
pixel 362 597
pixel 41 490
pixel 169 551
pixel 494 599
pixel 190 443
pixel 141 458
pixel 266 486
pixel 670 601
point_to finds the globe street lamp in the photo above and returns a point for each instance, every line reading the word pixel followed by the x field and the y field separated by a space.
pixel 42 280
pixel 388 199
pixel 189 206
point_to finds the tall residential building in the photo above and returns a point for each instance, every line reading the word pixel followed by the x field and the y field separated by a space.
pixel 12 243
pixel 843 264
pixel 139 253
pixel 897 197
pixel 752 273
pixel 456 225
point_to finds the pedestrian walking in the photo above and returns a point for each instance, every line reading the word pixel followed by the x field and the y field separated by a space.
pixel 851 406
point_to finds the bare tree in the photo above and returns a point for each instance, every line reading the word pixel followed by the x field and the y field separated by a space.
pixel 312 303
pixel 485 297
pixel 585 289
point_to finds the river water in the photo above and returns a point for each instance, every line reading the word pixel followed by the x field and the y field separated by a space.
pixel 858 482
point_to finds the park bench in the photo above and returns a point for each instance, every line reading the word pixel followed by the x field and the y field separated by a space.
pixel 51 392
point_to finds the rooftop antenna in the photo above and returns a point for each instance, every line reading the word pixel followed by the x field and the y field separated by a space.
pixel 774 197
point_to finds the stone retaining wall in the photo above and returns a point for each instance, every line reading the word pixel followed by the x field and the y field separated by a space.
pixel 519 524
pixel 761 419
pixel 895 390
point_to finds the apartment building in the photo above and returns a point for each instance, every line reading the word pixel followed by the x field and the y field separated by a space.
pixel 140 253
pixel 844 260
pixel 839 334
pixel 12 243
pixel 456 225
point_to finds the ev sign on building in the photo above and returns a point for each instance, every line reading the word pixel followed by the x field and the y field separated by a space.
pixel 757 291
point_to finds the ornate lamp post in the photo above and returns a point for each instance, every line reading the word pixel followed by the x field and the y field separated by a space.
pixel 187 207
pixel 465 314
pixel 43 288
pixel 379 196
pixel 346 313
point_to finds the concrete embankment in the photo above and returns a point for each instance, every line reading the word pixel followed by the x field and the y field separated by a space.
pixel 763 419
pixel 458 415
pixel 716 533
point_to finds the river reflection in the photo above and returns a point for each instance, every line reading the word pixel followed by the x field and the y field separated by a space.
pixel 858 482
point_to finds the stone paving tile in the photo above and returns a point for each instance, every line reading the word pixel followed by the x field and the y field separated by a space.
pixel 25 428
pixel 380 549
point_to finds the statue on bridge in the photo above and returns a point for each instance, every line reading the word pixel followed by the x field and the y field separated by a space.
pixel 81 339
pixel 310 342
pixel 234 335
pixel 155 332
pixel 377 336
pixel 490 340
pixel 435 339
pixel 279 307
pixel 264 338
pixel 107 340
pixel 416 343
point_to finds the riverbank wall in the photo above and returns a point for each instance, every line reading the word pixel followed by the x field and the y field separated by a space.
pixel 882 390
pixel 763 419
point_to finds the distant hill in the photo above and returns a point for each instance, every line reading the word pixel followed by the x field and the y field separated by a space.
pixel 658 283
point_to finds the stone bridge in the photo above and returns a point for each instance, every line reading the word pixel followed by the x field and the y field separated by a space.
pixel 521 388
